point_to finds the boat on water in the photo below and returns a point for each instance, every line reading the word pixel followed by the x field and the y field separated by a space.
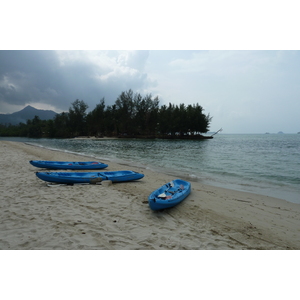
pixel 169 195
pixel 68 165
pixel 88 177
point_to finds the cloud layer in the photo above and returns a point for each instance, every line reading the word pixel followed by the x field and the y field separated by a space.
pixel 57 78
pixel 244 91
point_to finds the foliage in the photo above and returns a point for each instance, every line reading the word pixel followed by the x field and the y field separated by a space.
pixel 132 115
pixel 77 118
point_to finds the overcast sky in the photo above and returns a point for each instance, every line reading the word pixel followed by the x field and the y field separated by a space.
pixel 244 90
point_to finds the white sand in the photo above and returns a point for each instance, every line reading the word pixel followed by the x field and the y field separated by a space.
pixel 36 216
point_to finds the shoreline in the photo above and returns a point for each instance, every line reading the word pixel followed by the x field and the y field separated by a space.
pixel 201 137
pixel 94 138
pixel 36 216
pixel 285 193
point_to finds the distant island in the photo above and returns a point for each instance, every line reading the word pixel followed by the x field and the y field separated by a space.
pixel 131 116
pixel 280 132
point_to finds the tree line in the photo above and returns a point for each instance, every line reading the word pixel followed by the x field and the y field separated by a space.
pixel 132 115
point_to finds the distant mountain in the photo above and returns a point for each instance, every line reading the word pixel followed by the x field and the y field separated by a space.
pixel 27 113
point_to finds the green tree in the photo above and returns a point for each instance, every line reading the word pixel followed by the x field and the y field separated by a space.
pixel 77 118
pixel 163 120
pixel 61 125
pixel 96 119
pixel 146 114
pixel 111 121
pixel 50 129
pixel 125 111
pixel 35 127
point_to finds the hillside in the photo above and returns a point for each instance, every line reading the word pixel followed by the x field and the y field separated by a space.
pixel 27 113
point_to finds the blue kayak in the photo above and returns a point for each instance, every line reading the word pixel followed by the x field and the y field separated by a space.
pixel 88 177
pixel 68 165
pixel 169 194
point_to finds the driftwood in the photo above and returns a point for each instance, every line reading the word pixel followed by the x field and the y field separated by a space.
pixel 217 132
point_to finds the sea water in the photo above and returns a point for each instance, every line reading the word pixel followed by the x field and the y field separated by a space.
pixel 267 164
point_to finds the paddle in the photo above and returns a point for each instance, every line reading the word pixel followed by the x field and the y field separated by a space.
pixel 70 184
pixel 163 195
pixel 180 189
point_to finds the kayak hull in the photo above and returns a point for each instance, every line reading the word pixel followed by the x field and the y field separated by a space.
pixel 88 177
pixel 169 194
pixel 68 165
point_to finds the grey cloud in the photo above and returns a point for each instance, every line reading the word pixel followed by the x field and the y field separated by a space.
pixel 138 59
pixel 28 76
pixel 42 77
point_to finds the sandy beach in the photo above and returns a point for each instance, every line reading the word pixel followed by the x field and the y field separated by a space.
pixel 117 216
